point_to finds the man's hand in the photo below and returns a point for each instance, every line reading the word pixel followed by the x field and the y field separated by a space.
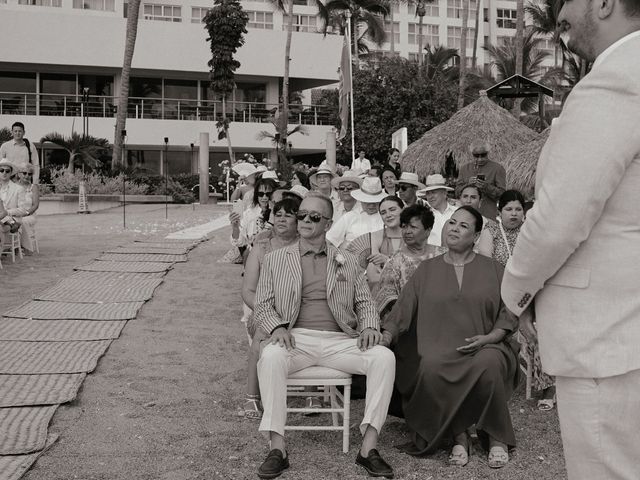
pixel 283 336
pixel 368 338
pixel 386 339
pixel 481 184
pixel 379 259
pixel 475 343
pixel 527 326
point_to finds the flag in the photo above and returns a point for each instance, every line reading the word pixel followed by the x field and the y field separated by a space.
pixel 344 89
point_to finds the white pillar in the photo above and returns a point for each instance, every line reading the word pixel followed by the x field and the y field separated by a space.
pixel 331 150
pixel 204 167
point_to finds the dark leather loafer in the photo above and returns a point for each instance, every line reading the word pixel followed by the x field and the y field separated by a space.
pixel 374 464
pixel 273 465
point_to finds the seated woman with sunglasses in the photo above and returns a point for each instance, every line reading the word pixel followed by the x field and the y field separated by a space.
pixel 32 202
pixel 353 224
pixel 245 227
pixel 284 232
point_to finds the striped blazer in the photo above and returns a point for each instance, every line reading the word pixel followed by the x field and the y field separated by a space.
pixel 279 291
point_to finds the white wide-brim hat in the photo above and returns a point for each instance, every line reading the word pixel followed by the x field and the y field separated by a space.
pixel 6 163
pixel 322 169
pixel 348 176
pixel 435 182
pixel 411 179
pixel 370 191
pixel 298 191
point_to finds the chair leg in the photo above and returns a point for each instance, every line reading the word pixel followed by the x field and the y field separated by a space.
pixel 346 405
pixel 529 377
pixel 334 404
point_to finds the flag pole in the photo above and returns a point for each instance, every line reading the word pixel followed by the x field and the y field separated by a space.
pixel 353 132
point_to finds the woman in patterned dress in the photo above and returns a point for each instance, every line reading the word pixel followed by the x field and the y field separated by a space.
pixel 511 208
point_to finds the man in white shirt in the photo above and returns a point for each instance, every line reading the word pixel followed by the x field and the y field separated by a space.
pixel 577 253
pixel 436 195
pixel 360 163
pixel 21 152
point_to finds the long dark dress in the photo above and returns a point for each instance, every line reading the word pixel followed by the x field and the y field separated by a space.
pixel 444 391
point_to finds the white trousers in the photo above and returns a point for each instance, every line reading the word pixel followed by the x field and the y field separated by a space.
pixel 327 349
pixel 600 424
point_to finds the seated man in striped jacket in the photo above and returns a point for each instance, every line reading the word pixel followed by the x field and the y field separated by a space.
pixel 314 302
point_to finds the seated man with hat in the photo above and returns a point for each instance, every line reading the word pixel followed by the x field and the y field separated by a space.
pixel 348 182
pixel 489 176
pixel 12 198
pixel 321 180
pixel 407 186
pixel 436 195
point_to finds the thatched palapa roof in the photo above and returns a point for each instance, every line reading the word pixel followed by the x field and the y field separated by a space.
pixel 480 121
pixel 521 165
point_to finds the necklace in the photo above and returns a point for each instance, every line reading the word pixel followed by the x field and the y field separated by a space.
pixel 448 257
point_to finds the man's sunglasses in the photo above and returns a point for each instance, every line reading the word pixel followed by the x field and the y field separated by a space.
pixel 480 155
pixel 265 194
pixel 404 187
pixel 345 188
pixel 315 217
pixel 5 170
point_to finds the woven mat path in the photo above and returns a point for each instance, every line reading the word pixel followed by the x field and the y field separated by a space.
pixel 24 429
pixel 102 287
pixel 49 389
pixel 44 310
pixel 142 257
pixel 138 267
pixel 168 250
pixel 50 357
pixel 12 467
pixel 28 330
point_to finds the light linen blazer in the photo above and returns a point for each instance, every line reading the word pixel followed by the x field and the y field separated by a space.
pixel 578 253
pixel 16 201
pixel 279 291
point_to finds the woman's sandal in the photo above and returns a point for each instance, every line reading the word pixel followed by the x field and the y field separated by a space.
pixel 252 409
pixel 459 456
pixel 498 457
pixel 546 404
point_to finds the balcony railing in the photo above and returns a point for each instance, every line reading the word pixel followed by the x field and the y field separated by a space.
pixel 41 104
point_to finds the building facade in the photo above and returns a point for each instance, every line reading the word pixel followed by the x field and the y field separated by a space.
pixel 54 51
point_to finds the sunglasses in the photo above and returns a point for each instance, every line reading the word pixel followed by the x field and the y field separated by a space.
pixel 346 189
pixel 265 194
pixel 405 187
pixel 315 217
pixel 5 170
pixel 480 155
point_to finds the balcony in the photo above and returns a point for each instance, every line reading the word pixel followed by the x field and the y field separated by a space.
pixel 15 103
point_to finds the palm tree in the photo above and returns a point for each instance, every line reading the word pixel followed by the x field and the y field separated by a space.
pixel 519 49
pixel 83 149
pixel 544 19
pixel 474 59
pixel 463 53
pixel 281 144
pixel 366 15
pixel 439 62
pixel 5 135
pixel 133 11
pixel 421 11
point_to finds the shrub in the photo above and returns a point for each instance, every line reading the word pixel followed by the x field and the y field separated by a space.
pixel 65 182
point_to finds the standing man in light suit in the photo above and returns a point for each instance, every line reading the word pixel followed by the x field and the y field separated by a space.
pixel 315 303
pixel 578 253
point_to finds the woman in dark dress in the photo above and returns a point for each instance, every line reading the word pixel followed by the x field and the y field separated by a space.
pixel 456 360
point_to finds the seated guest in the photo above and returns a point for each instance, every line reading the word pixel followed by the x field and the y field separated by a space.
pixel 300 178
pixel 471 196
pixel 284 232
pixel 456 360
pixel 314 302
pixel 32 202
pixel 321 179
pixel 394 161
pixel 245 227
pixel 353 224
pixel 416 222
pixel 375 248
pixel 13 198
pixel 389 179
pixel 436 195
pixel 348 182
pixel 407 186
pixel 499 244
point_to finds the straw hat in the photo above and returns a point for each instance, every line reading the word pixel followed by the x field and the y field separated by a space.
pixel 6 163
pixel 323 168
pixel 370 191
pixel 435 182
pixel 411 179
pixel 298 191
pixel 348 176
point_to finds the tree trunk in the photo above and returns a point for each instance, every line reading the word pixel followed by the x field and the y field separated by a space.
pixel 225 128
pixel 420 59
pixel 463 53
pixel 392 42
pixel 72 159
pixel 133 12
pixel 283 122
pixel 519 50
pixel 354 32
pixel 474 59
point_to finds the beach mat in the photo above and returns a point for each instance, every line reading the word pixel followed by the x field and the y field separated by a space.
pixel 29 330
pixel 24 429
pixel 49 389
pixel 109 276
pixel 138 249
pixel 12 467
pixel 30 358
pixel 136 267
pixel 101 288
pixel 45 310
pixel 142 257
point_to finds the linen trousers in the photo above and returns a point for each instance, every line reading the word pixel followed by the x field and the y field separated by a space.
pixel 600 426
pixel 335 350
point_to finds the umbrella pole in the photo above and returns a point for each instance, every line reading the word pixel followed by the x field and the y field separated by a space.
pixel 353 132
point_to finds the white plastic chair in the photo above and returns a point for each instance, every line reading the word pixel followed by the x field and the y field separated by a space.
pixel 329 379
pixel 10 244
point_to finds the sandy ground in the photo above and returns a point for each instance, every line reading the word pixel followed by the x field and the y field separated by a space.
pixel 162 403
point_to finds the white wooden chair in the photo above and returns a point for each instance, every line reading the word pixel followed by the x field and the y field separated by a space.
pixel 340 406
pixel 10 244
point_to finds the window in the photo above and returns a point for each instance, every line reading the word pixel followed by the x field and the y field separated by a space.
pixel 454 35
pixel 41 3
pixel 166 13
pixel 396 31
pixel 97 84
pixel 104 5
pixel 506 18
pixel 503 41
pixel 198 13
pixel 430 34
pixel 301 23
pixel 454 9
pixel 262 20
pixel 432 10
